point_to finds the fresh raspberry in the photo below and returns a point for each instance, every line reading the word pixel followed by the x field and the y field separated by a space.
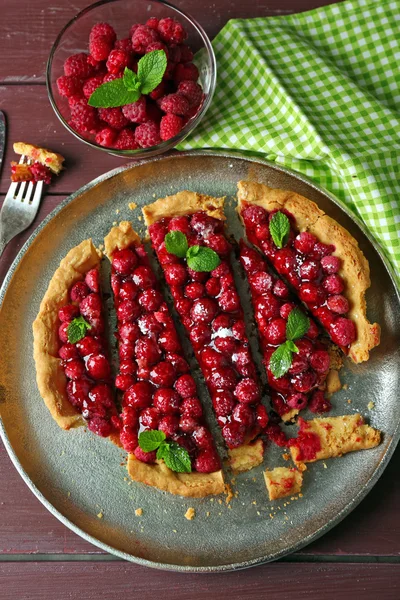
pixel 207 461
pixel 136 111
pixel 192 407
pixel 318 403
pixel 338 304
pixel 304 382
pixel 112 77
pixel 126 140
pixel 169 425
pixel 171 31
pixel 114 117
pixel 299 364
pixel 170 126
pixel 153 113
pixel 158 91
pixel 204 310
pixel 169 71
pixel 185 386
pixel 144 277
pixel 166 401
pixel 68 85
pixel 333 284
pixel 147 134
pixel 229 301
pixel 96 64
pixel 84 117
pixel 150 300
pixel 68 312
pixel 319 361
pixel 91 85
pixel 163 374
pixel 343 331
pixel 186 54
pixel 321 249
pixel 297 400
pixel 330 264
pixel 174 54
pixel 185 72
pixel 124 261
pixel 78 66
pixel 247 391
pixel 127 311
pixel 106 137
pixel 98 366
pixel 305 242
pixel 192 91
pixel 142 37
pixel 152 23
pixel 310 270
pixel 233 434
pixel 75 99
pixel 104 30
pixel 100 47
pixel 40 173
pixel 199 334
pixel 68 351
pixel 219 244
pixel 157 46
pixel 146 457
pixel 139 395
pixel 125 44
pixel 129 439
pixel 175 104
pixel 117 61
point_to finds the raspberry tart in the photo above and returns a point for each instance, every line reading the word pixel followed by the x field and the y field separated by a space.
pixel 72 367
pixel 45 163
pixel 207 301
pixel 318 257
pixel 303 381
pixel 159 394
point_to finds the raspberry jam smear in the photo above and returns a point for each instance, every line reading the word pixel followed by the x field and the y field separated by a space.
pixel 158 391
pixel 85 363
pixel 308 442
pixel 310 267
pixel 211 313
pixel 272 305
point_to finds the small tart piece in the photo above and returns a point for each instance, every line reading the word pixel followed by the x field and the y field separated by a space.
pixel 246 457
pixel 305 380
pixel 74 379
pixel 282 482
pixel 332 436
pixel 45 157
pixel 321 260
pixel 158 391
pixel 210 310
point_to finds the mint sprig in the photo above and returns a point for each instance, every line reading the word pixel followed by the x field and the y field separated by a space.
pixel 129 88
pixel 198 258
pixel 77 329
pixel 279 228
pixel 281 359
pixel 175 456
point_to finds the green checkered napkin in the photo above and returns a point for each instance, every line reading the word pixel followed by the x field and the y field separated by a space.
pixel 318 92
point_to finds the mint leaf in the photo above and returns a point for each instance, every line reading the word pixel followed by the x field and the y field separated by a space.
pixel 131 80
pixel 297 324
pixel 151 440
pixel 161 450
pixel 151 69
pixel 279 228
pixel 176 458
pixel 112 94
pixel 292 346
pixel 77 329
pixel 176 243
pixel 200 258
pixel 281 360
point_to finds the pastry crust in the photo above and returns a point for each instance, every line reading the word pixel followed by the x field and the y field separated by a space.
pixel 282 482
pixel 120 237
pixel 354 269
pixel 184 203
pixel 246 457
pixel 50 375
pixel 46 157
pixel 194 485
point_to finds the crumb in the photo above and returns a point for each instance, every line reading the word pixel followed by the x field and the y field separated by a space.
pixel 233 480
pixel 371 405
pixel 117 211
pixel 140 217
pixel 345 386
pixel 100 515
pixel 229 493
pixel 208 514
pixel 190 514
pixel 254 479
pixel 211 499
pixel 325 465
pixel 349 401
pixel 126 479
pixel 254 502
pixel 219 501
pixel 258 512
pixel 300 495
pixel 230 507
pixel 132 205
pixel 115 223
pixel 139 512
pixel 271 516
pixel 101 246
pixel 286 456
pixel 68 494
pixel 154 195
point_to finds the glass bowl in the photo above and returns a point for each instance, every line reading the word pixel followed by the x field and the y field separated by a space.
pixel 122 14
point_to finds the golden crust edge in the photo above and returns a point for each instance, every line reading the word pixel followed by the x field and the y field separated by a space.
pixel 355 267
pixel 50 376
pixel 183 203
pixel 246 457
pixel 120 237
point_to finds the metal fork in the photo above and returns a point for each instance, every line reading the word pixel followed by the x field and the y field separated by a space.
pixel 19 208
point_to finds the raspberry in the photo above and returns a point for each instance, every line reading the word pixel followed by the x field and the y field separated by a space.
pixel 114 117
pixel 129 439
pixel 143 277
pixel 84 117
pixel 148 134
pixel 186 54
pixel 112 77
pixel 129 333
pixel 170 126
pixel 106 137
pixel 175 104
pixel 124 261
pixel 304 382
pixel 192 407
pixel 330 264
pixel 185 72
pixel 98 366
pixel 299 364
pixel 223 379
pixel 150 300
pixel 124 44
pixel 146 457
pixel 305 242
pixel 333 284
pixel 163 374
pixel 136 111
pixel 338 304
pixel 100 47
pixel 127 311
pixel 40 172
pixel 310 270
pixel 185 386
pixel 104 30
pixel 128 291
pixel 179 224
pixel 68 85
pixel 75 99
pixel 167 401
pixel 199 334
pixel 229 301
pixel 91 85
pixel 343 331
pixel 175 274
pixel 320 361
pixel 204 310
pixel 157 46
pixel 117 61
pixel 233 434
pixel 219 244
pixel 318 403
pixel 297 400
pixel 152 23
pixel 203 438
pixel 192 91
pixel 207 461
pixel 169 425
pixel 139 395
pixel 194 290
pixel 158 91
pixel 171 31
pixel 247 391
pixel 312 294
pixel 126 140
pixel 142 37
pixel 153 113
pixel 124 382
pixel 77 65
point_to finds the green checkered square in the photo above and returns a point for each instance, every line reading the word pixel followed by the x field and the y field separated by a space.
pixel 318 92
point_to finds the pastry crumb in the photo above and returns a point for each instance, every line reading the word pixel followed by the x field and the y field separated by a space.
pixel 254 502
pixel 68 494
pixel 286 456
pixel 219 501
pixel 300 495
pixel 258 512
pixel 100 515
pixel 325 465
pixel 117 211
pixel 345 386
pixel 190 514
pixel 208 513
pixel 349 401
pixel 132 205
pixel 371 405
pixel 154 195
pixel 115 223
pixel 229 493
pixel 139 512
pixel 140 217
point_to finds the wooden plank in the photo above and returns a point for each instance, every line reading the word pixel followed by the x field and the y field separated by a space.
pixel 26 42
pixel 280 581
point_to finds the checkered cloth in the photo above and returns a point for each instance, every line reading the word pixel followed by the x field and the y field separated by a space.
pixel 318 92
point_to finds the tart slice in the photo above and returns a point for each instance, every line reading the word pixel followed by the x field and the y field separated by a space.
pixel 159 394
pixel 297 377
pixel 318 257
pixel 201 281
pixel 282 482
pixel 72 367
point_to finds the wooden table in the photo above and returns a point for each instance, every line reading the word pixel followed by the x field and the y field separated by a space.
pixel 39 557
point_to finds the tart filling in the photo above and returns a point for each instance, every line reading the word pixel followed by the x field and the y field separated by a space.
pixel 273 303
pixel 158 391
pixel 319 258
pixel 210 309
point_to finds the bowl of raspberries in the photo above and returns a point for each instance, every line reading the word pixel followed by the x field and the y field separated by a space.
pixel 131 77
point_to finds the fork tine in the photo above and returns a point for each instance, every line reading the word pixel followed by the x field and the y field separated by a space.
pixel 37 195
pixel 29 191
pixel 21 190
pixel 22 159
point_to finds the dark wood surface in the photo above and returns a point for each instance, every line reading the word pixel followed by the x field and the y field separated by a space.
pixel 40 557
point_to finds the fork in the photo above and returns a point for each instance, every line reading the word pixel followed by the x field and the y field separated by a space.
pixel 19 208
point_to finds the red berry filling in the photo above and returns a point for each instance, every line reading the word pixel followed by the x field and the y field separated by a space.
pixel 310 365
pixel 153 373
pixel 310 268
pixel 85 363
pixel 210 309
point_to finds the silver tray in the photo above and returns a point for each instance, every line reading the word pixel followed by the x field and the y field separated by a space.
pixel 77 476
